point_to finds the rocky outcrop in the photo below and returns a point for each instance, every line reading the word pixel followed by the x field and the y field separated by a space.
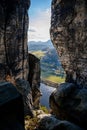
pixel 34 79
pixel 11 108
pixel 69 36
pixel 70 103
pixel 14 65
pixel 24 88
pixel 49 122
pixel 13 38
pixel 14 58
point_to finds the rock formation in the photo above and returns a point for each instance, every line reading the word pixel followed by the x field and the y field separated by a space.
pixel 14 66
pixel 24 88
pixel 11 108
pixel 70 103
pixel 69 36
pixel 13 38
pixel 14 58
pixel 49 122
pixel 34 79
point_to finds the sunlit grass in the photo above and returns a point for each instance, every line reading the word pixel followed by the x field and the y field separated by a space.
pixel 44 109
pixel 55 79
pixel 39 54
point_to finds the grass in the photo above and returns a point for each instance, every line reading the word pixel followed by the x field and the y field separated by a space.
pixel 47 70
pixel 39 54
pixel 55 79
pixel 33 123
pixel 44 109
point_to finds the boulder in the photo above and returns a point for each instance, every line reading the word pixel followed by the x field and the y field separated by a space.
pixel 11 108
pixel 70 103
pixel 49 122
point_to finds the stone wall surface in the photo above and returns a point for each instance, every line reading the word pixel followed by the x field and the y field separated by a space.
pixel 34 79
pixel 14 65
pixel 13 38
pixel 69 36
pixel 70 103
pixel 11 108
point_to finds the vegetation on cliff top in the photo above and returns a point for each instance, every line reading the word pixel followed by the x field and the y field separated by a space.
pixel 51 68
pixel 33 123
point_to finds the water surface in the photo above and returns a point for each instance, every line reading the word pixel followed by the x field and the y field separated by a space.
pixel 46 91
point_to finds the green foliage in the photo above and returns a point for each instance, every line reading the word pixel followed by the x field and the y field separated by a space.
pixel 38 54
pixel 44 109
pixel 31 123
pixel 51 69
pixel 55 79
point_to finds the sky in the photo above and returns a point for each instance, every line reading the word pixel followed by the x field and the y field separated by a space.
pixel 39 20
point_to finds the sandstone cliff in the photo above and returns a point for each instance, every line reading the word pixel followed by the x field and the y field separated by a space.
pixel 14 57
pixel 13 60
pixel 69 36
pixel 13 38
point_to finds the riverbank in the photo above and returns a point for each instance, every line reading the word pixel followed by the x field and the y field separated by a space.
pixel 49 83
pixel 46 92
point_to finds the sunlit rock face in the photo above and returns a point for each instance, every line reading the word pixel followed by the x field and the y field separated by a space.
pixel 69 36
pixel 13 38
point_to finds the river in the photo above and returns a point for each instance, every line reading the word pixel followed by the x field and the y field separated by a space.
pixel 46 91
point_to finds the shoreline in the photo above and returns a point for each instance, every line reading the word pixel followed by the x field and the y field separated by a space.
pixel 49 83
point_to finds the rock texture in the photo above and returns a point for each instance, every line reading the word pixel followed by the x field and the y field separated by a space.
pixel 11 108
pixel 70 103
pixel 24 88
pixel 69 36
pixel 34 79
pixel 13 38
pixel 14 58
pixel 49 122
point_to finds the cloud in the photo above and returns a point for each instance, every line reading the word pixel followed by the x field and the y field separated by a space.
pixel 39 26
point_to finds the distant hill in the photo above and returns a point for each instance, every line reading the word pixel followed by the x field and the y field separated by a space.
pixel 49 60
pixel 35 46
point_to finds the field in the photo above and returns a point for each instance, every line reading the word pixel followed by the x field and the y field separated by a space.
pixel 51 68
pixel 55 79
pixel 38 54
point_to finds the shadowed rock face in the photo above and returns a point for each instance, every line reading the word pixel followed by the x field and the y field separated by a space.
pixel 69 36
pixel 11 108
pixel 13 38
pixel 70 103
pixel 34 79
pixel 14 58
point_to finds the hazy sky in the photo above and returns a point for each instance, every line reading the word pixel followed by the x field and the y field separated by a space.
pixel 39 20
